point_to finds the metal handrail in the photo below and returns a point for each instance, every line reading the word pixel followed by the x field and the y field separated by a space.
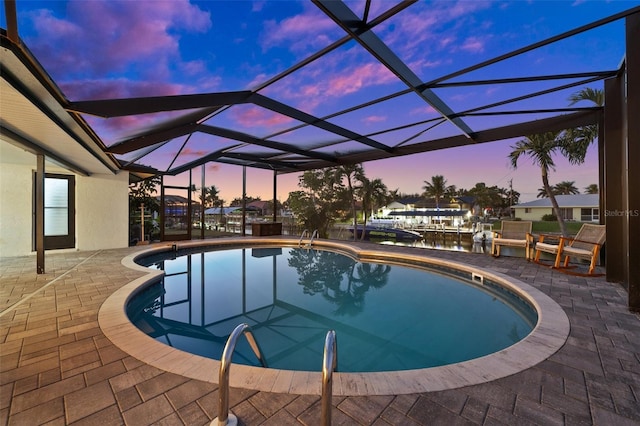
pixel 329 364
pixel 306 231
pixel 314 235
pixel 225 417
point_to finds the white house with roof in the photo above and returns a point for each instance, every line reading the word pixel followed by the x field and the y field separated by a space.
pixel 579 208
pixel 416 212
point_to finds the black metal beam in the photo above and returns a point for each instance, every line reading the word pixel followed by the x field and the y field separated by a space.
pixel 152 138
pixel 614 197
pixel 296 114
pixel 243 137
pixel 11 20
pixel 600 74
pixel 348 21
pixel 200 161
pixel 633 159
pixel 260 160
pixel 108 108
pixel 39 214
pixel 530 111
pixel 555 123
pixel 531 95
pixel 536 45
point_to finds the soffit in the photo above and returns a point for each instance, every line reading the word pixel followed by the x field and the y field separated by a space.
pixel 34 120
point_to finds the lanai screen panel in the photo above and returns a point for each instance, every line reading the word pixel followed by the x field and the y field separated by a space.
pixel 305 83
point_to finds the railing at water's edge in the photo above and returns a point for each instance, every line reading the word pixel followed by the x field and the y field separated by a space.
pixel 329 364
pixel 306 232
pixel 225 417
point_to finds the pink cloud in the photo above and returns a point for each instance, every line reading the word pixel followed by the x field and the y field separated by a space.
pixel 462 96
pixel 418 32
pixel 331 78
pixel 354 79
pixel 257 6
pixel 466 8
pixel 253 116
pixel 298 33
pixel 473 45
pixel 193 67
pixel 124 37
pixel 188 152
pixel 491 90
pixel 446 41
pixel 427 110
pixel 374 119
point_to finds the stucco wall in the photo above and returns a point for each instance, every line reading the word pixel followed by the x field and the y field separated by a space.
pixel 538 212
pixel 15 209
pixel 102 209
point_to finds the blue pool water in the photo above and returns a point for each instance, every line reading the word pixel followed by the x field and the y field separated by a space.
pixel 386 317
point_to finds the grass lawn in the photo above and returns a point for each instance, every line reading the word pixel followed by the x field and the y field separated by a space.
pixel 543 227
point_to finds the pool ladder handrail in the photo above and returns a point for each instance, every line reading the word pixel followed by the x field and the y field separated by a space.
pixel 306 232
pixel 225 417
pixel 329 365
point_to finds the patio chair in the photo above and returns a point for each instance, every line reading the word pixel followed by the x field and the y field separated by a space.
pixel 585 245
pixel 516 233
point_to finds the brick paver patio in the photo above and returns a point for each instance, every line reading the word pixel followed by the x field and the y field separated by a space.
pixel 57 367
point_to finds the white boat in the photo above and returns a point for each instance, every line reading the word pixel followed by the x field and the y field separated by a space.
pixel 375 233
pixel 483 232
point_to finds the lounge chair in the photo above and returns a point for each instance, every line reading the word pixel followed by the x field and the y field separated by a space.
pixel 585 245
pixel 515 233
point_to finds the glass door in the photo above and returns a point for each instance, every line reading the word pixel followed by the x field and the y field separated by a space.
pixel 175 208
pixel 59 211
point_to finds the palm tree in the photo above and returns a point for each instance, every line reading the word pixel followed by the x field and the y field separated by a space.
pixel 373 194
pixel 437 188
pixel 592 189
pixel 582 137
pixel 353 173
pixel 542 192
pixel 540 148
pixel 566 188
pixel 483 195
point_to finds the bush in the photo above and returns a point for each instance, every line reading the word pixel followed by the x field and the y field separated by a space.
pixel 549 218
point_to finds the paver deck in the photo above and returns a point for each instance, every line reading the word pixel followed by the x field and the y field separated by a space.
pixel 57 367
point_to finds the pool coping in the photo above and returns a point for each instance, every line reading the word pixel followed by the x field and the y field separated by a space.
pixel 549 335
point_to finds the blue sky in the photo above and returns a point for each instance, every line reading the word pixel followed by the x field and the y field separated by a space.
pixel 118 49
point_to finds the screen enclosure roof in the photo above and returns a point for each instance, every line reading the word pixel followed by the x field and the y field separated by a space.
pixel 310 136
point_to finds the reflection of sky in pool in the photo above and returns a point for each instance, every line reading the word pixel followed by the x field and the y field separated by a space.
pixel 385 317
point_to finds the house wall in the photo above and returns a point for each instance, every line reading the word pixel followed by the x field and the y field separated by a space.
pixel 102 209
pixel 16 233
pixel 537 213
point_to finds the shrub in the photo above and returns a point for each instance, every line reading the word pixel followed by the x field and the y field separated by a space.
pixel 549 218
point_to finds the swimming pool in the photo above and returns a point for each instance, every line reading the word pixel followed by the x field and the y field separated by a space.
pixel 549 334
pixel 386 317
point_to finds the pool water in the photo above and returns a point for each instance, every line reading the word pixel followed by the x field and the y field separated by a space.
pixel 386 317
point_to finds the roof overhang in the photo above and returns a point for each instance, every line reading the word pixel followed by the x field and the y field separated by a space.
pixel 34 119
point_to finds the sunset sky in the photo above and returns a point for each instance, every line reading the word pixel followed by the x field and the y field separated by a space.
pixel 119 49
